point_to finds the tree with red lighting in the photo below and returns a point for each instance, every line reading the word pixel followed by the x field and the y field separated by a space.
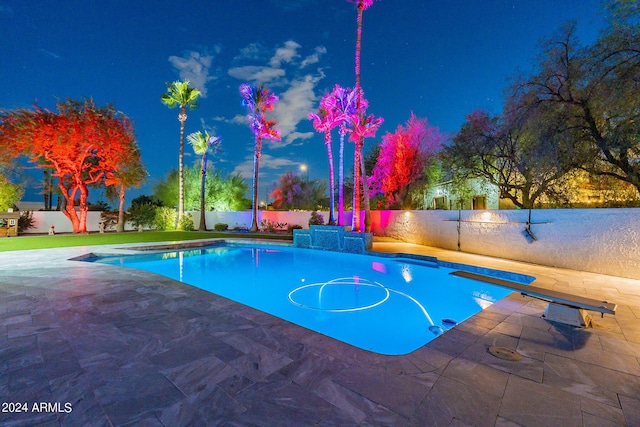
pixel 402 158
pixel 259 101
pixel 83 143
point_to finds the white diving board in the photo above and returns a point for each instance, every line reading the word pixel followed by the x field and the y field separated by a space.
pixel 563 307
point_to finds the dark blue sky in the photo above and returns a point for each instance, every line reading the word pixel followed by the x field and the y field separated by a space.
pixel 441 59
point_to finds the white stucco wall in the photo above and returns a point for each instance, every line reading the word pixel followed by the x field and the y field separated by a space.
pixel 603 241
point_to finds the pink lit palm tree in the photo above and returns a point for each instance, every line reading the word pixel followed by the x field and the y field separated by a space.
pixel 362 5
pixel 259 101
pixel 326 119
pixel 364 127
pixel 345 107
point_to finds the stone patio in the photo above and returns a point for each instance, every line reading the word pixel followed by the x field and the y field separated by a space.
pixel 123 347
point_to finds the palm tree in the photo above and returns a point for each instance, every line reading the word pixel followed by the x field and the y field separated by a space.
pixel 259 101
pixel 203 144
pixel 181 94
pixel 362 5
pixel 345 107
pixel 364 127
pixel 326 119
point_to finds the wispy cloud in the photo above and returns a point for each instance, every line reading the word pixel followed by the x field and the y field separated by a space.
pixel 194 66
pixel 49 54
pixel 315 57
pixel 293 107
pixel 285 54
pixel 269 166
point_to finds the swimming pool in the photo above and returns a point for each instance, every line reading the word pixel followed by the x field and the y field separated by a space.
pixel 382 304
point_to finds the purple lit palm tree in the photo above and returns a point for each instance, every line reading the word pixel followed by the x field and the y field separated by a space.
pixel 364 127
pixel 362 5
pixel 259 101
pixel 346 106
pixel 325 120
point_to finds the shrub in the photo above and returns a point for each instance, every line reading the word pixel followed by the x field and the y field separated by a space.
pixel 316 219
pixel 109 219
pixel 186 224
pixel 165 218
pixel 268 226
pixel 293 227
pixel 142 215
pixel 221 227
pixel 25 221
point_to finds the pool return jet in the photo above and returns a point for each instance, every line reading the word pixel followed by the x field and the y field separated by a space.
pixel 562 308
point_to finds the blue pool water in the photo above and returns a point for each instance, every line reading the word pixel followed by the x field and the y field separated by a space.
pixel 386 305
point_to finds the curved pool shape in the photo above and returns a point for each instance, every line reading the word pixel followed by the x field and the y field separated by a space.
pixel 385 305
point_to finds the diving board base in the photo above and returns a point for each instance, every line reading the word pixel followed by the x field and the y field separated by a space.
pixel 568 315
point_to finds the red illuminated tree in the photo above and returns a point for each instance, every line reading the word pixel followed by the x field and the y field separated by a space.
pixel 402 158
pixel 83 144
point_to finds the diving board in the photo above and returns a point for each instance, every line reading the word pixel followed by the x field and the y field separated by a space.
pixel 563 307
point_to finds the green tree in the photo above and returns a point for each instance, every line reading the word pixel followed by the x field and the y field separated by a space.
pixel 221 193
pixel 203 144
pixel 182 95
pixel 594 91
pixel 10 193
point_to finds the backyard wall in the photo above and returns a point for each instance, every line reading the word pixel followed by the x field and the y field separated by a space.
pixel 603 241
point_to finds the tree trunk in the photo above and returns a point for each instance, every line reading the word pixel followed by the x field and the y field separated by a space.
pixel 182 117
pixel 365 196
pixel 355 218
pixel 203 175
pixel 256 169
pixel 120 225
pixel 341 179
pixel 332 184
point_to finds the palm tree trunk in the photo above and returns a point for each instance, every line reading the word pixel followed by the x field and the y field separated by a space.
pixel 355 221
pixel 203 175
pixel 365 196
pixel 256 169
pixel 355 218
pixel 332 184
pixel 341 180
pixel 182 117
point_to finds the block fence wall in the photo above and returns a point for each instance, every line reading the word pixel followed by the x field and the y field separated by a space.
pixel 605 241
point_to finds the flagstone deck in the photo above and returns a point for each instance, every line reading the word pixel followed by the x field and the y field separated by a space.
pixel 133 348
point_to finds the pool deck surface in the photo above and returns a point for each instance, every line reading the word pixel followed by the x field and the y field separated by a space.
pixel 105 346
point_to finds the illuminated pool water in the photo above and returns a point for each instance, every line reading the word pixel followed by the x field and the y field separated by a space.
pixel 386 305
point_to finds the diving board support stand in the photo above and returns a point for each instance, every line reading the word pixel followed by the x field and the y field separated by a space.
pixel 562 308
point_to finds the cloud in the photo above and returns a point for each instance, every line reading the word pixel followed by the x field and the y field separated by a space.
pixel 293 107
pixel 49 54
pixel 195 68
pixel 268 164
pixel 285 54
pixel 315 57
pixel 256 74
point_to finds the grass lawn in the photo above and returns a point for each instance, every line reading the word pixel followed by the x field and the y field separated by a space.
pixel 66 240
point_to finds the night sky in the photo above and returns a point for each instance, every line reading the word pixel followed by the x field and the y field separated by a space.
pixel 441 59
